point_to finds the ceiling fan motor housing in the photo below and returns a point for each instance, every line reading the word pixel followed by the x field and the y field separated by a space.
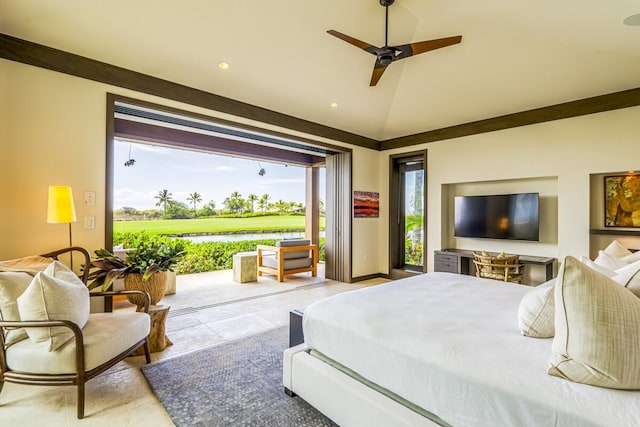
pixel 385 59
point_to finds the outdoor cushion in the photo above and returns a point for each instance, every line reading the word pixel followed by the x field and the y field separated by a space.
pixel 289 264
pixel 106 335
pixel 294 254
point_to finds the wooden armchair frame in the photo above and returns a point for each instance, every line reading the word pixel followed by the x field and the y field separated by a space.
pixel 280 272
pixel 80 376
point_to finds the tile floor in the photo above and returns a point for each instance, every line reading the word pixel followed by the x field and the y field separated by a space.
pixel 207 309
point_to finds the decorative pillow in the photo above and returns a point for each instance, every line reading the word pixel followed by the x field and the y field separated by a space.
pixel 597 325
pixel 12 285
pixel 51 297
pixel 600 269
pixel 536 311
pixel 635 256
pixel 629 277
pixel 616 250
pixel 607 261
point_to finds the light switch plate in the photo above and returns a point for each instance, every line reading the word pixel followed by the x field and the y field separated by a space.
pixel 89 222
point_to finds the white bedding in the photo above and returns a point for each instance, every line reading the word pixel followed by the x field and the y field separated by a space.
pixel 450 344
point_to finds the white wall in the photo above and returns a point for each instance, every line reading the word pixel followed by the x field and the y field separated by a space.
pixel 52 132
pixel 567 150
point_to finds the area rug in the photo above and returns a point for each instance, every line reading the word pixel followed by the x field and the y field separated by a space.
pixel 232 384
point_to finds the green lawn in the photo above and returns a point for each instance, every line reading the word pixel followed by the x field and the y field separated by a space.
pixel 214 225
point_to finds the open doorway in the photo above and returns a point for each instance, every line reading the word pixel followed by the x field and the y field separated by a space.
pixel 161 126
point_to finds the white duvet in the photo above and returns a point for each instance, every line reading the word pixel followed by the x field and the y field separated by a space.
pixel 450 344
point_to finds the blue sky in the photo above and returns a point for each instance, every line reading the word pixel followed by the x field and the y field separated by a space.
pixel 183 172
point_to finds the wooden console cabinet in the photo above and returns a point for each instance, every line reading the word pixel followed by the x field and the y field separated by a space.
pixel 461 261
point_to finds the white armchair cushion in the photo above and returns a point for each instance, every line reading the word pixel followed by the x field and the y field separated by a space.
pixel 54 294
pixel 597 326
pixel 105 335
pixel 12 285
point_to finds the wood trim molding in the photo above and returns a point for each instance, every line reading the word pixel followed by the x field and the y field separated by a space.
pixel 135 130
pixel 26 52
pixel 596 104
pixel 30 53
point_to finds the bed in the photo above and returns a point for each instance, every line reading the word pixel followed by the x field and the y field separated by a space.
pixel 439 349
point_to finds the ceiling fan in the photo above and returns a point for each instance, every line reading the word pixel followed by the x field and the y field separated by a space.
pixel 386 54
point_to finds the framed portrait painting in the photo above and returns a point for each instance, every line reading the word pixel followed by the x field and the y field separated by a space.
pixel 622 201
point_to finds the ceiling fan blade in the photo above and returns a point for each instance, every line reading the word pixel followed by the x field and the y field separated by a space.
pixel 407 50
pixel 357 43
pixel 378 69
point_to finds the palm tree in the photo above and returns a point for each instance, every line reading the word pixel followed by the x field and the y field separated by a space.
pixel 163 198
pixel 252 198
pixel 263 203
pixel 194 198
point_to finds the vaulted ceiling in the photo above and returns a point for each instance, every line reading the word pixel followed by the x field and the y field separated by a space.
pixel 514 56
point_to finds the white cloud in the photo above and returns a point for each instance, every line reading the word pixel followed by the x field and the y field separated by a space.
pixel 224 168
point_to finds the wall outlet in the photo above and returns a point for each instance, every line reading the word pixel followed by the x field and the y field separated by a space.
pixel 89 198
pixel 89 222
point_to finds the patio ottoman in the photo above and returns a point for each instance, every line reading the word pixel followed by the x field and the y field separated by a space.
pixel 245 267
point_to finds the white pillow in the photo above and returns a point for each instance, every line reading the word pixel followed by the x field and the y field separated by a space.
pixel 607 261
pixel 536 312
pixel 616 250
pixel 597 324
pixel 12 285
pixel 629 277
pixel 635 256
pixel 51 297
pixel 600 269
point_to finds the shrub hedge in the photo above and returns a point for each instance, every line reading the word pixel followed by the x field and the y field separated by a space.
pixel 199 257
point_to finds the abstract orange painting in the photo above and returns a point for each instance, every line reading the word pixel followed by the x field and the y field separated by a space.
pixel 366 204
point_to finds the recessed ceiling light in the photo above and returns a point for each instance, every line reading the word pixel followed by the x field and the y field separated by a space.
pixel 223 65
pixel 632 20
pixel 334 104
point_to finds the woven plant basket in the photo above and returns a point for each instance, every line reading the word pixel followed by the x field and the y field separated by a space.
pixel 156 286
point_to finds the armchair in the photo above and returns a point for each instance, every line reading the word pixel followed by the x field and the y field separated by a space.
pixel 105 339
pixel 288 257
pixel 500 267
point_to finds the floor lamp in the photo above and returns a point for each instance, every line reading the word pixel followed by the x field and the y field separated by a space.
pixel 61 209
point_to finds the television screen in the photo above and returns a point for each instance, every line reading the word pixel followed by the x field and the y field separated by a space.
pixel 503 216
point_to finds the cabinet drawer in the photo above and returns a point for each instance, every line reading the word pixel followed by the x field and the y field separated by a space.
pixel 448 258
pixel 449 267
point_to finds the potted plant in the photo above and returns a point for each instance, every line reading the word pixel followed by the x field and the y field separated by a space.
pixel 144 268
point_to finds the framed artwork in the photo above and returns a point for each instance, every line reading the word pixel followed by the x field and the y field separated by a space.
pixel 366 204
pixel 622 201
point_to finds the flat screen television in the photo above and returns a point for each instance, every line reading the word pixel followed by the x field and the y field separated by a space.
pixel 500 216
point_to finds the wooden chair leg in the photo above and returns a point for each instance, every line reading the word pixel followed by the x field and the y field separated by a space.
pixel 147 351
pixel 80 399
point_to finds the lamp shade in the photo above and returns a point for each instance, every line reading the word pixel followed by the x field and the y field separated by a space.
pixel 60 208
